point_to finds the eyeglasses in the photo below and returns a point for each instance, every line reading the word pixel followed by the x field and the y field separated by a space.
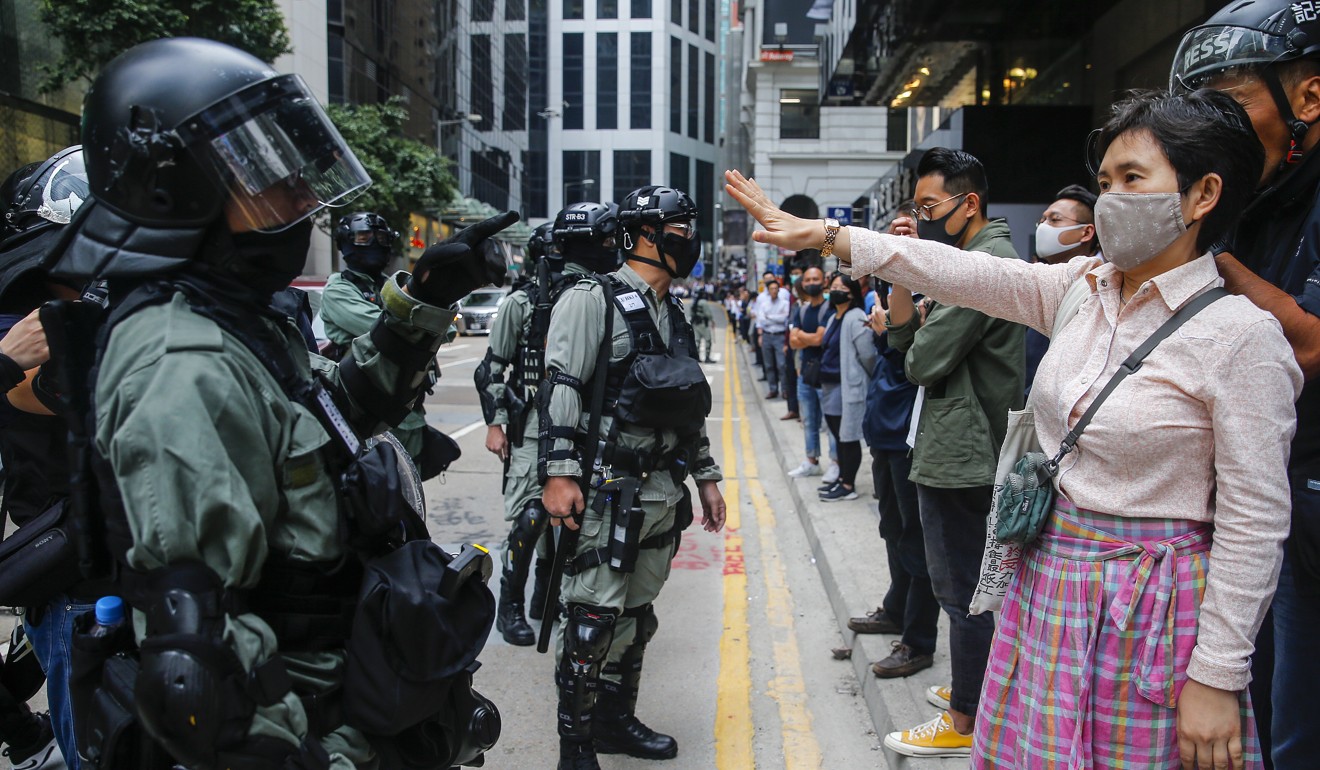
pixel 924 213
pixel 689 229
pixel 1055 219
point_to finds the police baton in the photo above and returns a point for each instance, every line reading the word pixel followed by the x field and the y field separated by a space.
pixel 562 547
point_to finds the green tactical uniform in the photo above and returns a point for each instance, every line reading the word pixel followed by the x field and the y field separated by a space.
pixel 508 333
pixel 216 464
pixel 577 327
pixel 701 326
pixel 348 313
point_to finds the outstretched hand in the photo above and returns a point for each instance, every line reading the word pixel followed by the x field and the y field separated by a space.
pixel 781 228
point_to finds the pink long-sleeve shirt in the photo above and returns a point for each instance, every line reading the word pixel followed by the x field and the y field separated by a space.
pixel 1201 431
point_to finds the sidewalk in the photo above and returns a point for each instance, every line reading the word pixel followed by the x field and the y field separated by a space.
pixel 848 552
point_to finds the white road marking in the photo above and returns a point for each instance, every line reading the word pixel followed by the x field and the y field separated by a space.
pixel 461 432
pixel 460 361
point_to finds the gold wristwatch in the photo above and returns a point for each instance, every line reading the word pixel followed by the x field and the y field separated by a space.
pixel 831 232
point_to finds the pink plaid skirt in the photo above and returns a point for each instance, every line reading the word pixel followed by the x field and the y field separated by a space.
pixel 1092 644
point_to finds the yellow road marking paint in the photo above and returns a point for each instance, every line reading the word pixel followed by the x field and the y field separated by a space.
pixel 733 707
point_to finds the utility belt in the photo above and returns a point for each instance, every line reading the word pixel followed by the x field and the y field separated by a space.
pixel 640 464
pixel 625 527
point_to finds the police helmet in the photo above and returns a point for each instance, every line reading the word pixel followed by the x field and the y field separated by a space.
pixel 363 230
pixel 588 234
pixel 655 205
pixel 1246 36
pixel 45 194
pixel 541 244
pixel 175 128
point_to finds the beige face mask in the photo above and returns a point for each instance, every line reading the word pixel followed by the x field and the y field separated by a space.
pixel 1135 227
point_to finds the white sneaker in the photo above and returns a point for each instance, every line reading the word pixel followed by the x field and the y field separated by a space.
pixel 807 468
pixel 831 474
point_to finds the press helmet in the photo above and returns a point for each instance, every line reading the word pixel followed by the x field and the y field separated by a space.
pixel 175 129
pixel 660 207
pixel 1250 38
pixel 588 234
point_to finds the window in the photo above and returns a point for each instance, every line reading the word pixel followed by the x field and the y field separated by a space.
pixel 515 82
pixel 334 11
pixel 799 114
pixel 679 175
pixel 607 80
pixel 581 176
pixel 335 66
pixel 897 125
pixel 693 91
pixel 641 9
pixel 574 91
pixel 632 169
pixel 675 85
pixel 607 9
pixel 573 9
pixel 515 10
pixel 483 10
pixel 536 180
pixel 490 177
pixel 710 20
pixel 708 123
pixel 676 12
pixel 482 96
pixel 694 16
pixel 704 197
pixel 639 114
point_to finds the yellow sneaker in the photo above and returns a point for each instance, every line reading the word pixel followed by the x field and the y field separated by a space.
pixel 935 738
pixel 939 697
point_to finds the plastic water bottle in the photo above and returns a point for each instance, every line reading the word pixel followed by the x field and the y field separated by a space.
pixel 109 616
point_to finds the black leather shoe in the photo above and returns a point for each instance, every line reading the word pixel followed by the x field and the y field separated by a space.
pixel 513 626
pixel 903 661
pixel 577 755
pixel 627 735
pixel 875 623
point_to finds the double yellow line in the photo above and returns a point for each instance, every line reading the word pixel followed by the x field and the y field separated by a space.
pixel 787 686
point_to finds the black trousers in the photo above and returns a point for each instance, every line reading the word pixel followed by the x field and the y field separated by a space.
pixel 910 600
pixel 850 452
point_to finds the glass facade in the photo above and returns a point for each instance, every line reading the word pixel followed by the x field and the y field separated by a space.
pixel 607 80
pixel 482 93
pixel 799 114
pixel 675 85
pixel 581 175
pixel 515 82
pixel 680 174
pixel 632 169
pixel 641 9
pixel 574 84
pixel 639 81
pixel 693 91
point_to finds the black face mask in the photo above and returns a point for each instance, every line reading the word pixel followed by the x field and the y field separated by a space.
pixel 268 262
pixel 685 252
pixel 839 297
pixel 368 259
pixel 813 289
pixel 933 230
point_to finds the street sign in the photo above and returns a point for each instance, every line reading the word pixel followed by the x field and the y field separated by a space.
pixel 699 269
pixel 841 213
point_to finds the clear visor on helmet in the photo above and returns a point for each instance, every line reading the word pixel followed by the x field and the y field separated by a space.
pixel 368 237
pixel 1209 53
pixel 276 153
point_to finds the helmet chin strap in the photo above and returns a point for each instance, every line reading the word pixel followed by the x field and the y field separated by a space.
pixel 661 263
pixel 1296 128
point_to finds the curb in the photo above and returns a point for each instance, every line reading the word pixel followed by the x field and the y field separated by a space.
pixel 896 697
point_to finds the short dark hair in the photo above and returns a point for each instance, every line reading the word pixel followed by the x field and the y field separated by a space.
pixel 769 281
pixel 1203 132
pixel 962 172
pixel 1078 194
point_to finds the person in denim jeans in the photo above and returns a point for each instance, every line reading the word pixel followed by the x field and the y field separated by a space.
pixel 806 337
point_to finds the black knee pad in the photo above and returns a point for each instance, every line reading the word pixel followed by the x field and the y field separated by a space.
pixel 587 635
pixel 530 524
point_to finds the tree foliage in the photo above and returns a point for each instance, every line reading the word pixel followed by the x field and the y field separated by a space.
pixel 92 32
pixel 407 176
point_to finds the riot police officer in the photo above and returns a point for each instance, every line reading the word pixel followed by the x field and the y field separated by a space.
pixel 702 323
pixel 583 238
pixel 242 500
pixel 623 412
pixel 350 307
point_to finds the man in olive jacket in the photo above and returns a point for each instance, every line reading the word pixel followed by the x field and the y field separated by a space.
pixel 971 369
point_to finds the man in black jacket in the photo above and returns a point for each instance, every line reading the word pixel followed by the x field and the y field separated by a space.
pixel 1266 55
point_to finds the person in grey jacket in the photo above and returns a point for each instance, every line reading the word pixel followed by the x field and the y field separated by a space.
pixel 845 371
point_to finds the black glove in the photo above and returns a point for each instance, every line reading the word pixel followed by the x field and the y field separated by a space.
pixel 452 269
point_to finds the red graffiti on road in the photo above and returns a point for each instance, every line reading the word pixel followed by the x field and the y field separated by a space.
pixel 733 555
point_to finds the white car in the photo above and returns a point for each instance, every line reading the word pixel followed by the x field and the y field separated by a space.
pixel 478 311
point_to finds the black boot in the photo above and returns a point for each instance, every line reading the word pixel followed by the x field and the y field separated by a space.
pixel 539 590
pixel 509 619
pixel 577 755
pixel 617 730
pixel 615 726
